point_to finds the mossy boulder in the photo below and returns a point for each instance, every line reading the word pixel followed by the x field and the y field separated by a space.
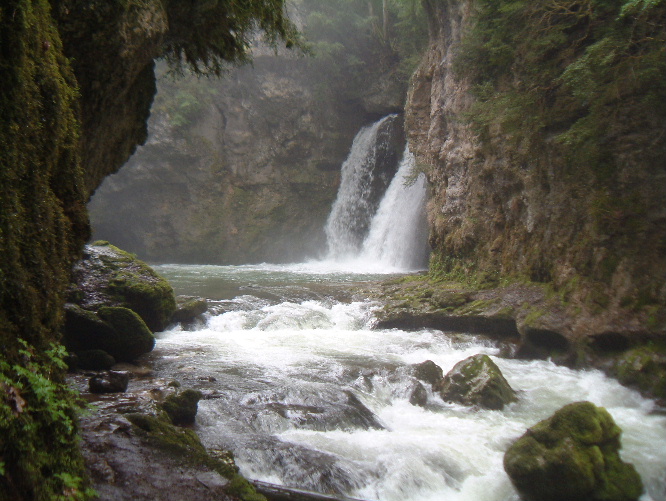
pixel 189 308
pixel 182 407
pixel 84 330
pixel 131 338
pixel 116 330
pixel 108 276
pixel 479 382
pixel 572 456
pixel 643 368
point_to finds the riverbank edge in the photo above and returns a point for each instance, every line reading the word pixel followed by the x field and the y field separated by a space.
pixel 530 321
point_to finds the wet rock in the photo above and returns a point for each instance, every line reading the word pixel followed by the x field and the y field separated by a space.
pixel 419 395
pixel 131 337
pixel 573 456
pixel 108 276
pixel 118 331
pixel 189 308
pixel 109 382
pixel 83 329
pixel 97 360
pixel 428 372
pixel 477 381
pixel 182 407
pixel 643 368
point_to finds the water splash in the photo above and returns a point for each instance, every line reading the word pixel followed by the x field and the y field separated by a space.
pixel 398 230
pixel 366 234
pixel 366 174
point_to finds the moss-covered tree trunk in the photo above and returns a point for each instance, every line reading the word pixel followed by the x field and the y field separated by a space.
pixel 43 225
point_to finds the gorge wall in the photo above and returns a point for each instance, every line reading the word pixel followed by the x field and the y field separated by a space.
pixel 510 199
pixel 248 176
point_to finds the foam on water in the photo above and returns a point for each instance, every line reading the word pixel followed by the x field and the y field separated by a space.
pixel 313 349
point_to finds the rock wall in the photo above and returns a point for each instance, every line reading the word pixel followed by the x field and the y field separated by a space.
pixel 250 177
pixel 598 243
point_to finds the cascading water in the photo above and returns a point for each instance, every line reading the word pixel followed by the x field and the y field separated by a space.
pixel 363 232
pixel 398 231
pixel 308 395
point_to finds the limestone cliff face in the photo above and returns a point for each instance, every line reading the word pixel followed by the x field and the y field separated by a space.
pixel 599 243
pixel 250 177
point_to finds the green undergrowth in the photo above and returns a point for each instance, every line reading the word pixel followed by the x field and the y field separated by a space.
pixel 38 429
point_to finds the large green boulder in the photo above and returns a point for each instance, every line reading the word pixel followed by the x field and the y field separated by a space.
pixel 131 338
pixel 108 276
pixel 477 381
pixel 118 331
pixel 572 456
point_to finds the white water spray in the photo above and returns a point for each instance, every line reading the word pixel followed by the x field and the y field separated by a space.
pixel 390 239
pixel 398 231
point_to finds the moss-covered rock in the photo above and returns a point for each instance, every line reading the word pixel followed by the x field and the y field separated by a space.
pixel 643 368
pixel 131 337
pixel 84 330
pixel 108 276
pixel 158 431
pixel 182 407
pixel 572 456
pixel 477 381
pixel 189 308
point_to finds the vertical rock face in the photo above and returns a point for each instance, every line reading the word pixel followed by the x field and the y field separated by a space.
pixel 496 210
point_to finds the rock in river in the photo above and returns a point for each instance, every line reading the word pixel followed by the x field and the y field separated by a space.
pixel 477 381
pixel 572 456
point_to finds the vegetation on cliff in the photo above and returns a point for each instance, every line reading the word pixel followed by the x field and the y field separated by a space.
pixel 44 97
pixel 547 155
pixel 42 226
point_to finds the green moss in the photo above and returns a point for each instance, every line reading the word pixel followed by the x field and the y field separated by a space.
pixel 43 224
pixel 572 455
pixel 182 407
pixel 132 337
pixel 185 444
pixel 644 368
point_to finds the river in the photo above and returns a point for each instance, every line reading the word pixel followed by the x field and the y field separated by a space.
pixel 307 394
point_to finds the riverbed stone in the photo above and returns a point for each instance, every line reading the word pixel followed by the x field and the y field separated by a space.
pixel 428 372
pixel 189 308
pixel 182 407
pixel 477 381
pixel 109 382
pixel 572 456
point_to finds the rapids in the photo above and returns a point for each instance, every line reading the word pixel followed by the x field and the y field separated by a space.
pixel 308 395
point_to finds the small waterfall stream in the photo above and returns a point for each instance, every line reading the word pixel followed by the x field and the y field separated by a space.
pixel 370 227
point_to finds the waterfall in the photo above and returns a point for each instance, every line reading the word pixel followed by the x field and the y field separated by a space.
pixel 375 225
pixel 366 173
pixel 398 231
